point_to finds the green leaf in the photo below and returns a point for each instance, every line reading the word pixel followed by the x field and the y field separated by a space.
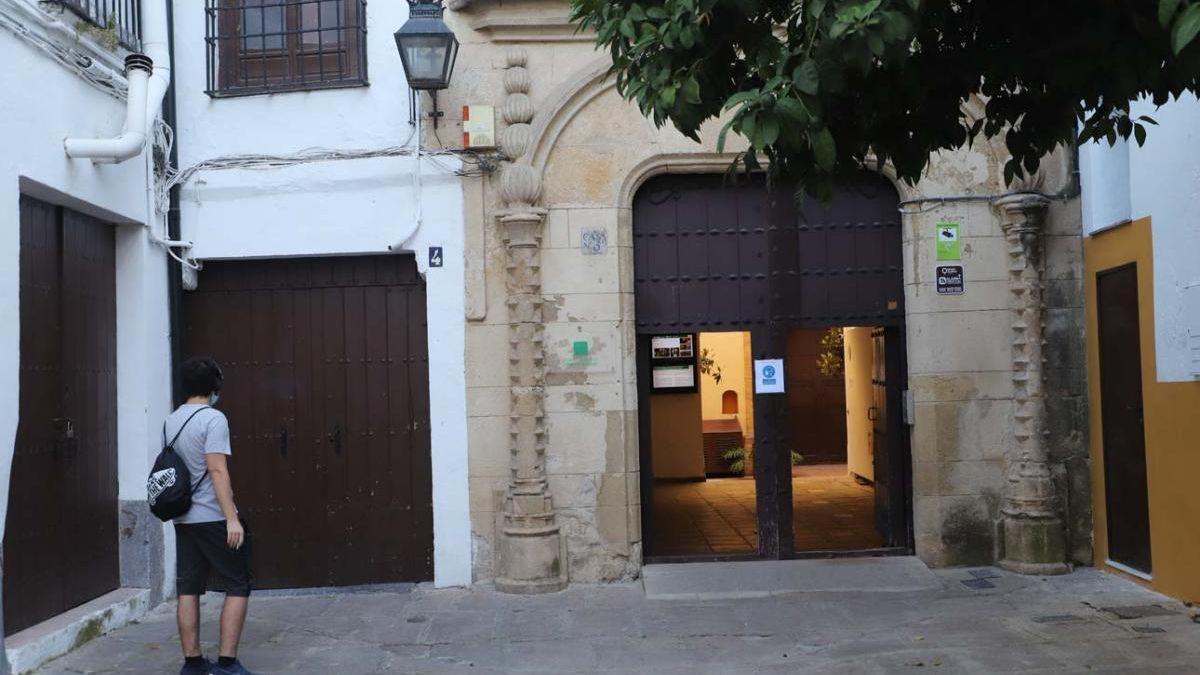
pixel 687 38
pixel 1139 133
pixel 824 149
pixel 791 108
pixel 740 97
pixel 691 90
pixel 815 7
pixel 656 13
pixel 667 97
pixel 1148 120
pixel 721 136
pixel 1166 10
pixel 627 28
pixel 806 77
pixel 770 130
pixel 875 43
pixel 914 4
pixel 1186 28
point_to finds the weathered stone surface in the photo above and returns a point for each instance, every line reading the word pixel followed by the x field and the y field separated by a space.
pixel 614 628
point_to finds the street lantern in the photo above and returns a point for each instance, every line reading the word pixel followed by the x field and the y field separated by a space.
pixel 427 46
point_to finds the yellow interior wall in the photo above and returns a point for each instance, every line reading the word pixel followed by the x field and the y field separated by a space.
pixel 747 406
pixel 729 351
pixel 859 359
pixel 677 443
pixel 1171 411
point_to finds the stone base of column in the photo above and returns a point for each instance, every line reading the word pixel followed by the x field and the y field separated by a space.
pixel 532 551
pixel 1034 545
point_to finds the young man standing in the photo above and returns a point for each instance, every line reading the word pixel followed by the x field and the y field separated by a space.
pixel 209 538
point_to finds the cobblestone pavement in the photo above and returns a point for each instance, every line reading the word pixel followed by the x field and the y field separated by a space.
pixel 1067 624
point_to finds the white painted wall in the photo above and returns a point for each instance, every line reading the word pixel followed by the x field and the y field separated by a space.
pixel 1160 180
pixel 44 103
pixel 339 208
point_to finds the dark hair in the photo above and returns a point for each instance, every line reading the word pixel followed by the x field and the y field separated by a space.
pixel 201 376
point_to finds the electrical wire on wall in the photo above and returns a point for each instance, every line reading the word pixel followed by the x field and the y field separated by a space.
pixel 101 77
pixel 167 177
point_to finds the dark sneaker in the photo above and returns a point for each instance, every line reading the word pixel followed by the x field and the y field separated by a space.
pixel 201 669
pixel 235 668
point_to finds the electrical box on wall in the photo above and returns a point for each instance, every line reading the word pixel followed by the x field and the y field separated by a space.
pixel 479 126
pixel 1191 319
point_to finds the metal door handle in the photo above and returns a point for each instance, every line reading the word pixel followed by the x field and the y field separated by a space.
pixel 335 437
pixel 283 441
pixel 64 426
pixel 872 413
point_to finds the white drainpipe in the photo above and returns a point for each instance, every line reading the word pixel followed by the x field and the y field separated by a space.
pixel 149 75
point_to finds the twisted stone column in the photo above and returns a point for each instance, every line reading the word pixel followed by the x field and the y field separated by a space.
pixel 530 545
pixel 1034 538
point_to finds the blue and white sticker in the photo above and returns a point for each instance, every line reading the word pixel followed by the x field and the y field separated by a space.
pixel 435 256
pixel 768 376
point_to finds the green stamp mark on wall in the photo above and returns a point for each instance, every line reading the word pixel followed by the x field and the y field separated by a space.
pixel 580 354
pixel 948 245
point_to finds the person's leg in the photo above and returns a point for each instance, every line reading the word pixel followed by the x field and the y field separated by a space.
pixel 233 619
pixel 191 572
pixel 236 578
pixel 187 615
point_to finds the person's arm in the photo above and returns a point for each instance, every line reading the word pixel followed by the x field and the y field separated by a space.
pixel 218 470
pixel 216 456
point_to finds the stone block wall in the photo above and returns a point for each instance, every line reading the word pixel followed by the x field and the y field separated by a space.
pixel 591 150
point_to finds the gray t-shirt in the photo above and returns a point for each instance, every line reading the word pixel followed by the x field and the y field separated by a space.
pixel 207 433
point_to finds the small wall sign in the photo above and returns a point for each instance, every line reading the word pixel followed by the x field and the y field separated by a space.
pixel 950 280
pixel 948 245
pixel 673 363
pixel 594 242
pixel 435 256
pixel 768 376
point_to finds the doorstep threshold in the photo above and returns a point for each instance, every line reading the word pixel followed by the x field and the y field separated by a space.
pixel 56 636
pixel 762 578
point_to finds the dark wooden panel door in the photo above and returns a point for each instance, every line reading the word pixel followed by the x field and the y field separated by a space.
pixel 878 416
pixel 61 534
pixel 889 438
pixel 1125 486
pixel 326 372
pixel 816 402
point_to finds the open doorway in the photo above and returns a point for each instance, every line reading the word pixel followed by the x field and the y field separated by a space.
pixel 832 412
pixel 701 445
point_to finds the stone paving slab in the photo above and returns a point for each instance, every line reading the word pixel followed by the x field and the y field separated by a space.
pixel 750 579
pixel 1021 625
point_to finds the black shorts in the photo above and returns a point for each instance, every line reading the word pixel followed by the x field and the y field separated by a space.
pixel 201 553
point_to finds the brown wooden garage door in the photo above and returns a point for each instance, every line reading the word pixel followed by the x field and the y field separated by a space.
pixel 326 390
pixel 60 542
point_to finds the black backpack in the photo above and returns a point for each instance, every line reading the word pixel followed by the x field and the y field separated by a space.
pixel 169 488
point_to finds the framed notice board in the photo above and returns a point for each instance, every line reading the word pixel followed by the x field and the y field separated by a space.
pixel 673 364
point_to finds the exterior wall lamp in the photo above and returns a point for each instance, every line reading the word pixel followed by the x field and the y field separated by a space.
pixel 427 48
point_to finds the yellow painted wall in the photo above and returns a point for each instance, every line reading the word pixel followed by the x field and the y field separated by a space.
pixel 731 352
pixel 858 358
pixel 1171 413
pixel 677 443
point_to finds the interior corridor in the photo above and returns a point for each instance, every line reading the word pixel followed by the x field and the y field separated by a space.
pixel 831 512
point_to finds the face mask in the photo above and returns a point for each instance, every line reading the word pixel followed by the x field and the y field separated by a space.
pixel 213 398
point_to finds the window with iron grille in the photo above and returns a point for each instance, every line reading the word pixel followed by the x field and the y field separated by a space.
pixel 265 46
pixel 119 16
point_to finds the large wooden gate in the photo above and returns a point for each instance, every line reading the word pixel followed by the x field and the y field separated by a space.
pixel 60 543
pixel 327 394
pixel 711 255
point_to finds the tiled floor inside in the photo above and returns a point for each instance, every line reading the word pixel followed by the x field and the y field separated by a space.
pixel 830 510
